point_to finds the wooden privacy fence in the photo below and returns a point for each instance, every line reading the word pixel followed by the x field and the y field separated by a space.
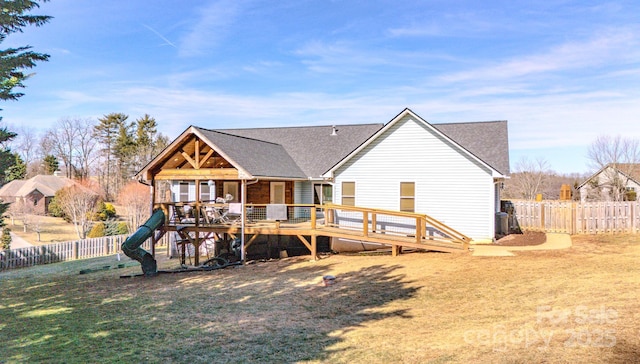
pixel 576 217
pixel 60 252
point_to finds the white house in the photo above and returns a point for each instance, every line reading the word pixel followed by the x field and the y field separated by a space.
pixel 615 181
pixel 411 165
pixel 452 172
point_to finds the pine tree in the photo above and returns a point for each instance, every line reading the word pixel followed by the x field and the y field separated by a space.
pixel 107 132
pixel 13 64
pixel 51 164
pixel 14 61
pixel 18 170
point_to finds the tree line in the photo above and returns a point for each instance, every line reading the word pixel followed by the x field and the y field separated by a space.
pixel 101 155
pixel 109 150
pixel 616 159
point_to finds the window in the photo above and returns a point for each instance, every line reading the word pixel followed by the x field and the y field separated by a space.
pixel 231 188
pixel 349 193
pixel 323 193
pixel 277 192
pixel 207 191
pixel 183 195
pixel 407 196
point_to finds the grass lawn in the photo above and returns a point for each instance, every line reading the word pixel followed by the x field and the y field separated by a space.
pixel 53 230
pixel 578 305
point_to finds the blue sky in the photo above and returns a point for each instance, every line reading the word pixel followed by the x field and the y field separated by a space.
pixel 561 72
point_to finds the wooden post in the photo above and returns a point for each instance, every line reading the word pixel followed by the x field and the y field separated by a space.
pixel 313 218
pixel 632 211
pixel 365 223
pixel 75 249
pixel 542 224
pixel 418 229
pixel 328 216
pixel 314 247
pixel 374 221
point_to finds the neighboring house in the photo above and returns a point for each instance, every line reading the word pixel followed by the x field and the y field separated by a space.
pixel 36 191
pixel 613 182
pixel 452 172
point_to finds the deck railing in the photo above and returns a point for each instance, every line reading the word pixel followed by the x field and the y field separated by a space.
pixel 391 223
pixel 367 221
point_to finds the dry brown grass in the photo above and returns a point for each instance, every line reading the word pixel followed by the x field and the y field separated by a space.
pixel 578 305
pixel 53 229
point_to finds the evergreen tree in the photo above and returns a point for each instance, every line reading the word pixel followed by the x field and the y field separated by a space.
pixel 5 239
pixel 13 64
pixel 146 140
pixel 18 170
pixel 124 151
pixel 107 132
pixel 14 61
pixel 51 164
pixel 7 158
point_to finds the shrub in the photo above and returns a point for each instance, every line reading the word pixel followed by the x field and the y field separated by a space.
pixel 630 195
pixel 104 211
pixel 55 209
pixel 115 228
pixel 97 230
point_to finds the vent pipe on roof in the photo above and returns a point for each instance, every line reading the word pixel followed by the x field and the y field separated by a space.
pixel 334 131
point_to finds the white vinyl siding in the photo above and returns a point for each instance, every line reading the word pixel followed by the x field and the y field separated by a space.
pixel 302 192
pixel 453 187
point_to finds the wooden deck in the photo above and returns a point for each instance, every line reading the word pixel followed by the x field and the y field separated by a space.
pixel 396 229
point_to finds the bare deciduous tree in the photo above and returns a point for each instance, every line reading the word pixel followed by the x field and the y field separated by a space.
pixel 26 145
pixel 60 142
pixel 78 201
pixel 135 199
pixel 528 178
pixel 86 147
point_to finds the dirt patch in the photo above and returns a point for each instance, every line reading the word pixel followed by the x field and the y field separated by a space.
pixel 524 239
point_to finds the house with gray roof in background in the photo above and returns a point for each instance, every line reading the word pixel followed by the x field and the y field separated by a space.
pixel 36 191
pixel 452 172
pixel 613 182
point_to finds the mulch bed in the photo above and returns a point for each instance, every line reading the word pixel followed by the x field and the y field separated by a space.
pixel 526 238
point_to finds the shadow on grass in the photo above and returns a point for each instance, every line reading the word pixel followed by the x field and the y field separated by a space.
pixel 276 312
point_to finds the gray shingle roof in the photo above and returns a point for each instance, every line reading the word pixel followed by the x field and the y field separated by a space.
pixel 487 140
pixel 310 151
pixel 258 157
pixel 48 185
pixel 313 148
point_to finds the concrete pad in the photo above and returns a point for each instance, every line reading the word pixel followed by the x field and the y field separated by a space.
pixel 555 241
pixel 490 251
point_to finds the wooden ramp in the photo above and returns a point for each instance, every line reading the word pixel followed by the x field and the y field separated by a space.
pixel 393 228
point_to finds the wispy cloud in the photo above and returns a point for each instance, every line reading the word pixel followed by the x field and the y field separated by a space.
pixel 345 57
pixel 211 26
pixel 166 41
pixel 611 48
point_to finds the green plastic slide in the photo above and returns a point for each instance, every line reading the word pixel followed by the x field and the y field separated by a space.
pixel 131 246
